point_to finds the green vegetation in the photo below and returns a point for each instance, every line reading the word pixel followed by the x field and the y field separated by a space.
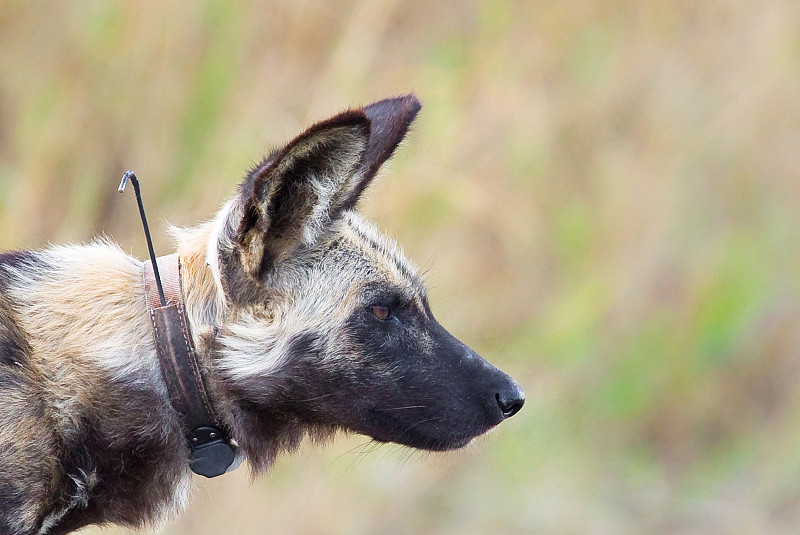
pixel 605 193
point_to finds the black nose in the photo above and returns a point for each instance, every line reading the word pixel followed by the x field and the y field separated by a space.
pixel 510 400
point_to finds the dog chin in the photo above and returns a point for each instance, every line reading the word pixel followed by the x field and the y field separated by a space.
pixel 437 443
pixel 420 440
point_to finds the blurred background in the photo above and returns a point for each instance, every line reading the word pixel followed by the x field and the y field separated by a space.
pixel 606 195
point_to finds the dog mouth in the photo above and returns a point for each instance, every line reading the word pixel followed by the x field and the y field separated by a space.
pixel 425 433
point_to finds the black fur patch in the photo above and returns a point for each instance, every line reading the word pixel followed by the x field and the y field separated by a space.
pixel 390 120
pixel 275 413
pixel 26 453
pixel 100 448
pixel 14 349
pixel 11 354
pixel 11 502
pixel 15 259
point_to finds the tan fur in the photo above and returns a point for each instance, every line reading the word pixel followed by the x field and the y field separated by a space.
pixel 29 430
pixel 253 337
pixel 81 311
pixel 85 321
pixel 205 300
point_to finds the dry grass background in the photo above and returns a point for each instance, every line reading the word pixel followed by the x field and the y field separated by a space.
pixel 607 195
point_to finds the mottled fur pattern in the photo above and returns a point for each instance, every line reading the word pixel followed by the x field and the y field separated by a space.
pixel 307 319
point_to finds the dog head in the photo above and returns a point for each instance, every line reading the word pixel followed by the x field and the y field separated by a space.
pixel 322 322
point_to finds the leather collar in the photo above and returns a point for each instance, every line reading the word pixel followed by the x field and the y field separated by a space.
pixel 212 451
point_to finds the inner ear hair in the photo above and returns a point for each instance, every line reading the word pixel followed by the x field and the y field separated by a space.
pixel 287 200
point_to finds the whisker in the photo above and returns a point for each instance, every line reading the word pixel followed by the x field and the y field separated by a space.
pixel 360 446
pixel 405 408
pixel 315 398
pixel 407 456
pixel 367 448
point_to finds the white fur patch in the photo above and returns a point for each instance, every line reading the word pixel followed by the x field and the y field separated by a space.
pixel 252 347
pixel 385 245
pixel 215 241
pixel 87 302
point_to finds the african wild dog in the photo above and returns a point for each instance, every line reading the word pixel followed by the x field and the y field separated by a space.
pixel 306 319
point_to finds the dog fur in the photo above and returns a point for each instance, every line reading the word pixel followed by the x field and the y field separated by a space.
pixel 306 318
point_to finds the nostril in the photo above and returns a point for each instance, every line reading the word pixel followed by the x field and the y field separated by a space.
pixel 510 404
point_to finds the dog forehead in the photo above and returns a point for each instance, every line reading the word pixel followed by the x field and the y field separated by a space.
pixel 378 250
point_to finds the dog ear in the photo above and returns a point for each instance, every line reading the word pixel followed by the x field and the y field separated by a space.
pixel 288 199
pixel 390 120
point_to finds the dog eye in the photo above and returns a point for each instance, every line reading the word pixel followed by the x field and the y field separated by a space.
pixel 382 313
